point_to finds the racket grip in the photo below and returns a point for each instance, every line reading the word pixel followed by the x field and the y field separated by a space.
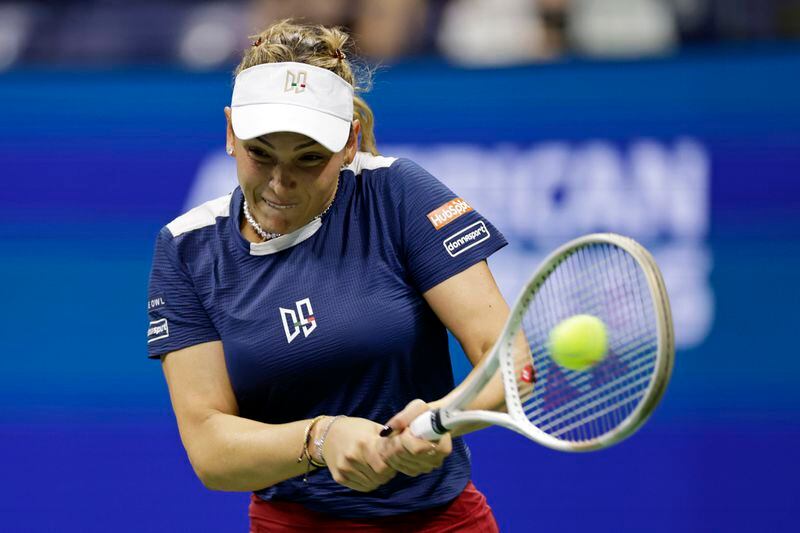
pixel 428 426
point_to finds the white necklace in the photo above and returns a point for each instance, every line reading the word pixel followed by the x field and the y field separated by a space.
pixel 265 235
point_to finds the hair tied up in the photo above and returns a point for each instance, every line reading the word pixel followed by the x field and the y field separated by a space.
pixel 318 46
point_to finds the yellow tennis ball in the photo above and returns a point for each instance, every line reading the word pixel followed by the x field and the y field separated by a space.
pixel 578 342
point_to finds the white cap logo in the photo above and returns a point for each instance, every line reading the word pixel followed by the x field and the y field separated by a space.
pixel 295 81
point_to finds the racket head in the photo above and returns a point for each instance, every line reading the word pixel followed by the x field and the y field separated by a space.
pixel 616 279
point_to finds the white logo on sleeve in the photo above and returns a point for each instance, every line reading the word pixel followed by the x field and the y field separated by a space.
pixel 159 329
pixel 294 322
pixel 156 302
pixel 463 240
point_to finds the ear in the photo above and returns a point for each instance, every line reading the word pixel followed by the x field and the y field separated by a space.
pixel 352 143
pixel 230 138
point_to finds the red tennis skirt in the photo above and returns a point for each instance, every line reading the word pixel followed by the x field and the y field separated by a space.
pixel 468 513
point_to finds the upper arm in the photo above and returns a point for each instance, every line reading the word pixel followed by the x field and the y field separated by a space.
pixel 437 234
pixel 177 316
pixel 199 387
pixel 470 305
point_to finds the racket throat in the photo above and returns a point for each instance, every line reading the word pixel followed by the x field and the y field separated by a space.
pixel 436 422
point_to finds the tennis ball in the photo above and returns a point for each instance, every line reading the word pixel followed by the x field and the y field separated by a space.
pixel 578 342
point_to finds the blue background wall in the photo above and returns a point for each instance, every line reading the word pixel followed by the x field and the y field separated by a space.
pixel 93 163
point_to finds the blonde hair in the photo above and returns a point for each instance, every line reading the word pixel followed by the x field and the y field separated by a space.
pixel 322 47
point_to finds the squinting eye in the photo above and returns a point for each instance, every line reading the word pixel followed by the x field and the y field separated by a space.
pixel 257 153
pixel 311 159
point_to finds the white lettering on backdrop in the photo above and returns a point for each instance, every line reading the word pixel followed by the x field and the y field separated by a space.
pixel 542 195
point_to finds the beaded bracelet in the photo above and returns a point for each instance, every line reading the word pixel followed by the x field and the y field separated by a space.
pixel 320 442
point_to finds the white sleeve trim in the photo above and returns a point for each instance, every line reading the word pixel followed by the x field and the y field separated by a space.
pixel 367 161
pixel 201 216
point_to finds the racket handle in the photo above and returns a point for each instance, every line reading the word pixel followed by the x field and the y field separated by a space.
pixel 428 426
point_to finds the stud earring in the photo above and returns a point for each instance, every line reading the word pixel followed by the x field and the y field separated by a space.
pixel 229 150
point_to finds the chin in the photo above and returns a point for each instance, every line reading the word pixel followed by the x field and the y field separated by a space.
pixel 281 224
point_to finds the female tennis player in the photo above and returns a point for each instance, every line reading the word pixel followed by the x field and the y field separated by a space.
pixel 298 314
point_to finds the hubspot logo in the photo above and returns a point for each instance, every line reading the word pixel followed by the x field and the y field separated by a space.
pixel 300 320
pixel 295 81
pixel 445 214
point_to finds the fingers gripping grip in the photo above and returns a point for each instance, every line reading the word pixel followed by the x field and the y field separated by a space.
pixel 428 426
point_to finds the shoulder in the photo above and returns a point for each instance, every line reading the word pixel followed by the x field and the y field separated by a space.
pixel 365 163
pixel 391 174
pixel 403 190
pixel 202 216
pixel 194 235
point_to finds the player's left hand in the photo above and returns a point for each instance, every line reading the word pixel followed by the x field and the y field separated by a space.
pixel 408 454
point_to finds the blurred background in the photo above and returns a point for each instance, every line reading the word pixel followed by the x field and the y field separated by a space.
pixel 674 121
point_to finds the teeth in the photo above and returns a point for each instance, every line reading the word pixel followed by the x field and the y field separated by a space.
pixel 276 206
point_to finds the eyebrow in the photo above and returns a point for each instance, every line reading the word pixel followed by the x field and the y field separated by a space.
pixel 296 148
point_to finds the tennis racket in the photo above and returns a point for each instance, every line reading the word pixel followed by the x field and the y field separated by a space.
pixel 605 275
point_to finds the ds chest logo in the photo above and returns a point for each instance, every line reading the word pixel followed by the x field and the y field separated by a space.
pixel 301 319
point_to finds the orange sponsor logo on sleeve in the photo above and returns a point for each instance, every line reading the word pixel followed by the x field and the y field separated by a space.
pixel 445 214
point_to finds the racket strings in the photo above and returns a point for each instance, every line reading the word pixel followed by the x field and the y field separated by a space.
pixel 536 408
pixel 604 281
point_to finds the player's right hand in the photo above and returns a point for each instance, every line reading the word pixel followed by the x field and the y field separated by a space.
pixel 409 454
pixel 351 453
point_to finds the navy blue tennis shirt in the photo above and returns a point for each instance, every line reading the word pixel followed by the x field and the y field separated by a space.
pixel 329 319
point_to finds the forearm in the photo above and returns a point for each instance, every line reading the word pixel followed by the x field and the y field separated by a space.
pixel 492 396
pixel 231 453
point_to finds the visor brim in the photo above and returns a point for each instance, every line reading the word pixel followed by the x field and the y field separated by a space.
pixel 255 120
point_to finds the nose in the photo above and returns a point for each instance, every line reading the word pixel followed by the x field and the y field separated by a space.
pixel 281 179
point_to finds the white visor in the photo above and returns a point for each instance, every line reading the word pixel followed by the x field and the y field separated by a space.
pixel 294 97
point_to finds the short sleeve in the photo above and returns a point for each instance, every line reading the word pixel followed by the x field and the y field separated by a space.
pixel 177 317
pixel 441 233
